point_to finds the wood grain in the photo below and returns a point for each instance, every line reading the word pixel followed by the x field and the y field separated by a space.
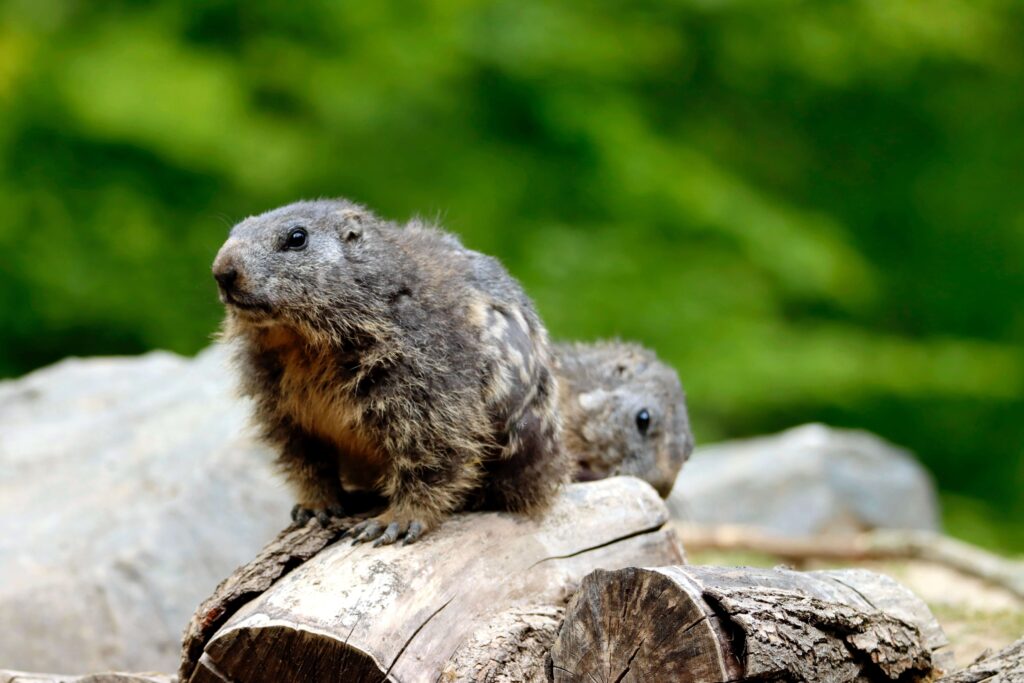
pixel 718 624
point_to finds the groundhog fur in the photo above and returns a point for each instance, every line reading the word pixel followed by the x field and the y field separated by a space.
pixel 624 413
pixel 394 359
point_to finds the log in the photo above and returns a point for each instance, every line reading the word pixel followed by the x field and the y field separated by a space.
pixel 879 544
pixel 288 550
pixel 716 624
pixel 478 599
pixel 1005 666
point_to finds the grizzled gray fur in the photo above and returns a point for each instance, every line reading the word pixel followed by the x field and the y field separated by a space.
pixel 624 413
pixel 392 359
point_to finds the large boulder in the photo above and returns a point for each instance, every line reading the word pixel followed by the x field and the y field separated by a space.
pixel 811 479
pixel 128 489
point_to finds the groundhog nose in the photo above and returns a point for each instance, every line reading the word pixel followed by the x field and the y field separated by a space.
pixel 226 278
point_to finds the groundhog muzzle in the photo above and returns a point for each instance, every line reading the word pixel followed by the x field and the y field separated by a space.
pixel 390 359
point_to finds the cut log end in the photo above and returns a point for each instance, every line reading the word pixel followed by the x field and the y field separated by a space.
pixel 633 625
pixel 712 625
pixel 291 548
pixel 298 655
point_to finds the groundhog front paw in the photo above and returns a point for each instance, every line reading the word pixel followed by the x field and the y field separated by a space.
pixel 302 514
pixel 387 532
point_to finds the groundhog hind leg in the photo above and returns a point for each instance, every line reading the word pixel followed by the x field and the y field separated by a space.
pixel 532 465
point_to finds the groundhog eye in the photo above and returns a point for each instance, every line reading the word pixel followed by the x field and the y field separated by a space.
pixel 643 420
pixel 296 239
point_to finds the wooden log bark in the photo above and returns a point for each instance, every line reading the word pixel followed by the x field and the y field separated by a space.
pixel 1005 666
pixel 716 624
pixel 290 549
pixel 478 599
pixel 878 544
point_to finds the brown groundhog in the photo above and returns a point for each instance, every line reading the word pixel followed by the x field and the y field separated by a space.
pixel 624 412
pixel 392 359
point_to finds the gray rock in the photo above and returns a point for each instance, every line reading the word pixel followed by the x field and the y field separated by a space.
pixel 128 489
pixel 807 480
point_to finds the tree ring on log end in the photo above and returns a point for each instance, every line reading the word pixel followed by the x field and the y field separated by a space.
pixel 657 633
pixel 290 656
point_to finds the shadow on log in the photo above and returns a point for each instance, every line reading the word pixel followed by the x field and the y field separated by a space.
pixel 479 599
pixel 716 624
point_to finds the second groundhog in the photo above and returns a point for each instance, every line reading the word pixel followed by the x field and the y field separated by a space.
pixel 390 358
pixel 624 413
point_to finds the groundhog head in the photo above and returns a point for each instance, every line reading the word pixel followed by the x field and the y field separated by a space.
pixel 624 413
pixel 312 265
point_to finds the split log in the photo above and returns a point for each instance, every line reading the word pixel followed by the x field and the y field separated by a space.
pixel 478 599
pixel 716 624
pixel 1005 666
pixel 879 544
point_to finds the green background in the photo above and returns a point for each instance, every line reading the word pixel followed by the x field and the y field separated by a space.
pixel 814 210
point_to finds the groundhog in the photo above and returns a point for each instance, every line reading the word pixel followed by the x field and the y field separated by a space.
pixel 390 359
pixel 624 413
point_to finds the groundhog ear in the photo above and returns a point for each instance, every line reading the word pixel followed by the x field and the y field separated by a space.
pixel 352 224
pixel 591 400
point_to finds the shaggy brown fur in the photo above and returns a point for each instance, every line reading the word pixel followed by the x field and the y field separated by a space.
pixel 392 359
pixel 624 413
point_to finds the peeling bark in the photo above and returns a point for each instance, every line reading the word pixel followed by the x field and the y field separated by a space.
pixel 512 648
pixel 878 544
pixel 714 624
pixel 1005 666
pixel 478 599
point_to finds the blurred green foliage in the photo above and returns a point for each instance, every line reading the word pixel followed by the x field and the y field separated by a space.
pixel 814 210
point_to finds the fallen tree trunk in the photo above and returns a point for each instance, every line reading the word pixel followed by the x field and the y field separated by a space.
pixel 716 624
pixel 478 599
pixel 879 544
pixel 1005 666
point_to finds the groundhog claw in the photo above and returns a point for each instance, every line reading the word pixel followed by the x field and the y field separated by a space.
pixel 374 530
pixel 414 532
pixel 366 531
pixel 301 514
pixel 389 536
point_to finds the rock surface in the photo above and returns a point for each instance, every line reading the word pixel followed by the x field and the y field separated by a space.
pixel 811 479
pixel 128 489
